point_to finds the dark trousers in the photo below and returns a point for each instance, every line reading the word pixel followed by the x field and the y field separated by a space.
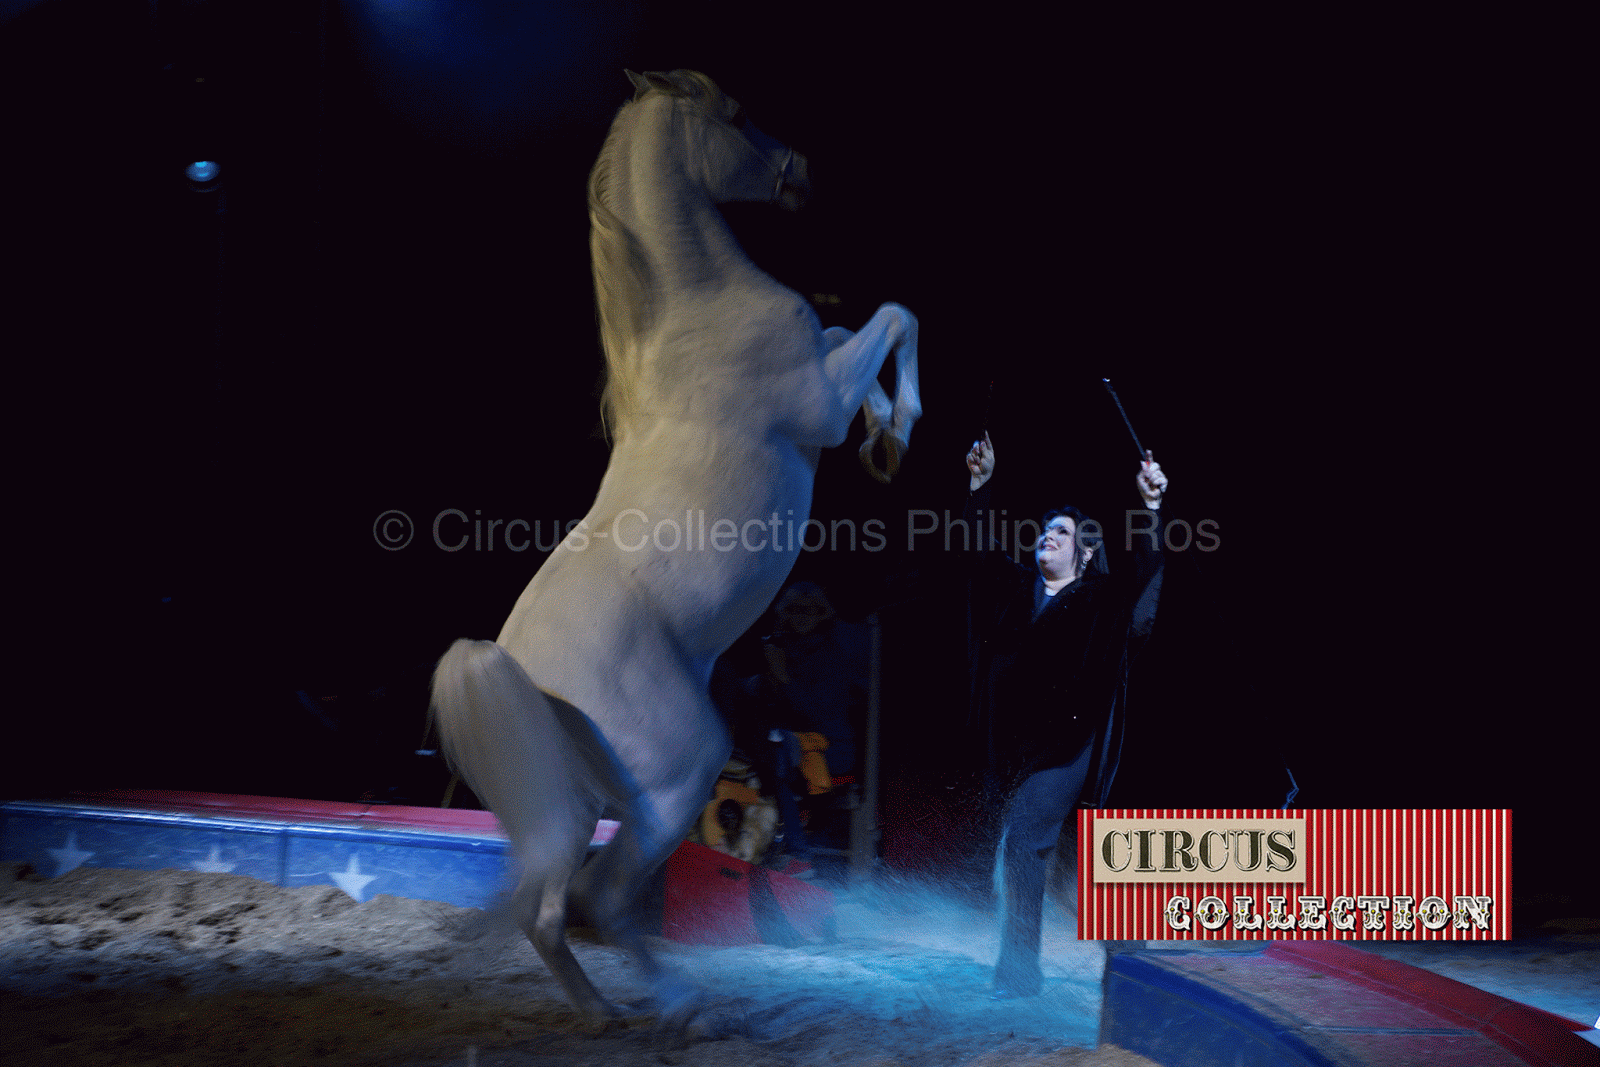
pixel 1032 824
pixel 788 767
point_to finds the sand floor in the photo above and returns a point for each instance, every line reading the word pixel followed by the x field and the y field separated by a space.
pixel 182 967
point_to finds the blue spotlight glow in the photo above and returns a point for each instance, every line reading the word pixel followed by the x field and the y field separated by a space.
pixel 202 171
pixel 485 72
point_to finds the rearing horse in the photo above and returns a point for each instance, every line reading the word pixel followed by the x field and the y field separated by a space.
pixel 723 389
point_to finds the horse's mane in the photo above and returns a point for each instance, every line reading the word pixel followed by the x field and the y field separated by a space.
pixel 622 286
pixel 623 281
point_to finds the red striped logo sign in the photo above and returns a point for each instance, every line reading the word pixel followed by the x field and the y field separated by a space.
pixel 1177 874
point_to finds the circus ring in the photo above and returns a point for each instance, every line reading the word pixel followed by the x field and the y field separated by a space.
pixel 292 868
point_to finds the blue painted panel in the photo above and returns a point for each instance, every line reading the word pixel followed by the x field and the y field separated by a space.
pixel 1171 1018
pixel 364 860
pixel 364 865
pixel 55 844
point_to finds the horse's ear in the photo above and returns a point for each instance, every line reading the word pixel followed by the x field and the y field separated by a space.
pixel 643 83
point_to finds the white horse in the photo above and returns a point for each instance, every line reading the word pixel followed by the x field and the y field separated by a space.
pixel 723 389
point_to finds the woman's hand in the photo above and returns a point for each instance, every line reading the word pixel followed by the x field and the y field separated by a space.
pixel 1152 483
pixel 980 463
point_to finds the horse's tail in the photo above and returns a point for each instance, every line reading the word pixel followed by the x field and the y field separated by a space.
pixel 537 763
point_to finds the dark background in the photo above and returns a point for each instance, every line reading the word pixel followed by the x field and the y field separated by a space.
pixel 1316 259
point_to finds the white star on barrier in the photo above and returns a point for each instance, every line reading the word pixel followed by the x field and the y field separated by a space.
pixel 69 856
pixel 213 863
pixel 351 880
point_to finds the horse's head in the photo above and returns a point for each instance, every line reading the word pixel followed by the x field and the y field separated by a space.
pixel 734 160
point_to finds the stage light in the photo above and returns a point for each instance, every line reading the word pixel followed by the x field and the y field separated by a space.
pixel 202 171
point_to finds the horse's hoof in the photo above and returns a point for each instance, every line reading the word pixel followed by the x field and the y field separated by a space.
pixel 891 453
pixel 892 447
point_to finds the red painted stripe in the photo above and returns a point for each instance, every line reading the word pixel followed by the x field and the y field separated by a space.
pixel 1536 1036
pixel 395 816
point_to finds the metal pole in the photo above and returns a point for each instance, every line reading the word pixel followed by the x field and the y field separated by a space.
pixel 864 824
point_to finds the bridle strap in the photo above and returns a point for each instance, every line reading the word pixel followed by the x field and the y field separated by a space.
pixel 783 174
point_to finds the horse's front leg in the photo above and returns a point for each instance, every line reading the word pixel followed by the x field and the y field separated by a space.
pixel 853 363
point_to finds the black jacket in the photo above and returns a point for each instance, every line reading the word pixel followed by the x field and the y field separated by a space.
pixel 1044 687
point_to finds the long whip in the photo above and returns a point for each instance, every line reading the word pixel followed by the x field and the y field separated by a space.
pixel 1118 401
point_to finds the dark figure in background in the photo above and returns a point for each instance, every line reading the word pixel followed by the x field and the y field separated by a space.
pixel 817 671
pixel 814 687
pixel 1050 654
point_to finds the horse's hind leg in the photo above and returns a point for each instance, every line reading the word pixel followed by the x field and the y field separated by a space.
pixel 541 910
pixel 610 887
